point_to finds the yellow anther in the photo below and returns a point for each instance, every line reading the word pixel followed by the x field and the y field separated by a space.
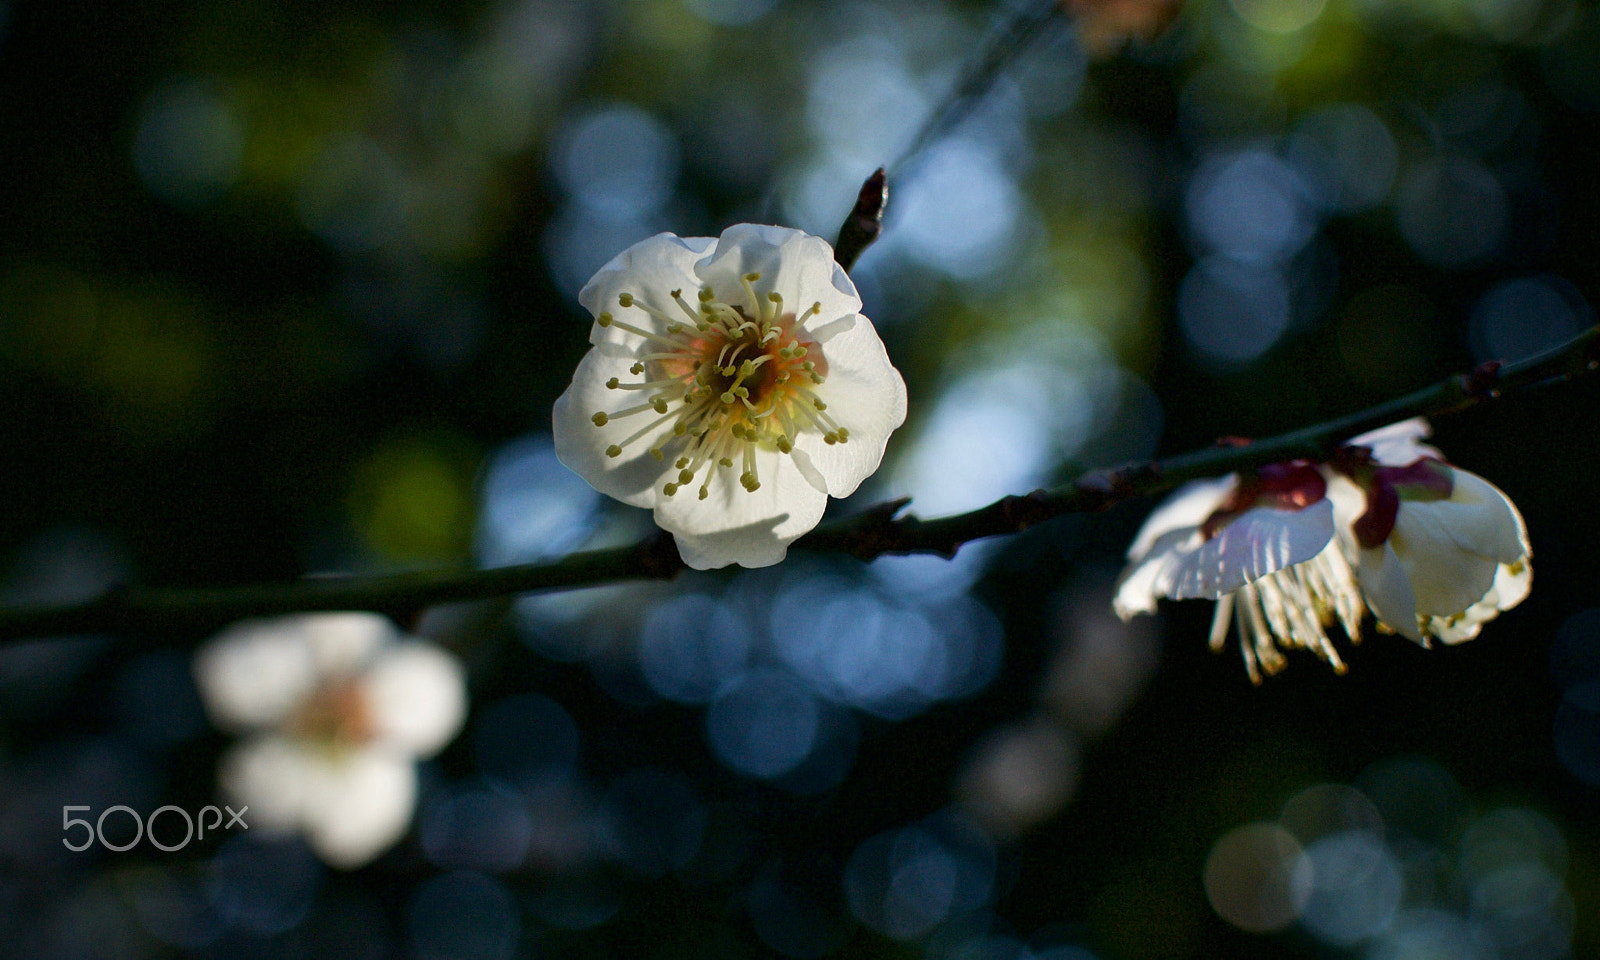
pixel 613 451
pixel 682 462
pixel 613 383
pixel 684 476
pixel 752 277
pixel 600 421
pixel 656 452
pixel 625 299
pixel 706 296
pixel 660 404
pixel 670 489
pixel 604 319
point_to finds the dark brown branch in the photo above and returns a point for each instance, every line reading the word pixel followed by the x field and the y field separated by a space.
pixel 876 531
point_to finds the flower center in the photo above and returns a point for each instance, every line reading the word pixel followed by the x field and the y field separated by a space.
pixel 336 713
pixel 730 380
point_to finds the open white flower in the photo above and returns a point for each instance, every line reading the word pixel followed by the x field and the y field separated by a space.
pixel 733 386
pixel 339 708
pixel 1265 548
pixel 1440 550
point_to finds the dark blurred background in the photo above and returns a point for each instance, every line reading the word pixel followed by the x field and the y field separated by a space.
pixel 288 287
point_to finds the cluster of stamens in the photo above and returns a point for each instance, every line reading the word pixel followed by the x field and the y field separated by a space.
pixel 1292 608
pixel 729 382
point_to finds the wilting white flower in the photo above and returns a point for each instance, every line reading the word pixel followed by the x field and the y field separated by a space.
pixel 1435 551
pixel 339 708
pixel 732 387
pixel 1265 548
pixel 1440 550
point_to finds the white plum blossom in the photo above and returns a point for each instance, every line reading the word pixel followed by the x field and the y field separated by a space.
pixel 1264 546
pixel 337 708
pixel 732 387
pixel 1440 550
pixel 1433 550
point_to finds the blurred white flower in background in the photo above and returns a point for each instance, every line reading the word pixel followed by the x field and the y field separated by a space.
pixel 339 707
pixel 733 386
pixel 1435 551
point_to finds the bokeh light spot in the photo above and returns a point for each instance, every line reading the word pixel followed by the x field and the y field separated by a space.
pixel 476 830
pixel 692 646
pixel 1452 210
pixel 534 508
pixel 463 916
pixel 189 143
pixel 1258 878
pixel 764 724
pixel 1519 318
pixel 1231 313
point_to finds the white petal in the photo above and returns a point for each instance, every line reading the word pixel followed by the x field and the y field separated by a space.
pixel 866 395
pixel 1256 543
pixel 1388 590
pixel 1512 582
pixel 1147 580
pixel 343 644
pixel 363 805
pixel 1398 444
pixel 636 476
pixel 733 525
pixel 1349 503
pixel 255 672
pixel 417 695
pixel 1493 527
pixel 350 804
pixel 796 265
pixel 650 269
pixel 1188 506
pixel 1446 578
pixel 273 776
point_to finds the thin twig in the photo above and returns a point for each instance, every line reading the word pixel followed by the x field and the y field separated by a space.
pixel 879 530
pixel 1010 39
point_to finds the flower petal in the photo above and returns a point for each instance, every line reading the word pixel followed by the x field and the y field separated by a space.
pixel 866 395
pixel 1258 542
pixel 1147 579
pixel 344 643
pixel 794 264
pixel 1188 506
pixel 272 775
pixel 1446 577
pixel 1398 444
pixel 582 446
pixel 417 696
pixel 1388 590
pixel 255 672
pixel 1484 519
pixel 649 269
pixel 363 805
pixel 734 525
